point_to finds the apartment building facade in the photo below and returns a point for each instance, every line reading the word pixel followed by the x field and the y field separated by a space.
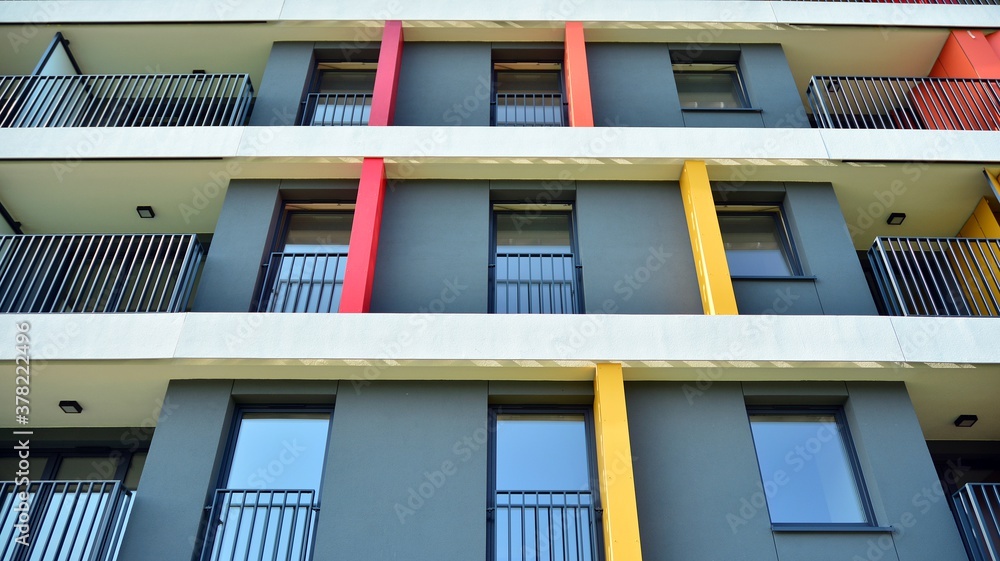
pixel 558 281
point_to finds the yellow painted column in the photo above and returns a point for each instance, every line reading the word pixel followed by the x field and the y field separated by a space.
pixel 717 296
pixel 978 279
pixel 614 466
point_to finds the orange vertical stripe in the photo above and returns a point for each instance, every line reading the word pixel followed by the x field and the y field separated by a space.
pixel 581 113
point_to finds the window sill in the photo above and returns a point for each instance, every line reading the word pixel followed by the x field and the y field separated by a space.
pixel 766 277
pixel 724 109
pixel 848 528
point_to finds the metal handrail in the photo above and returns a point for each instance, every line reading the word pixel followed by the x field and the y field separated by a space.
pixel 978 507
pixel 529 110
pixel 303 282
pixel 260 524
pixel 545 525
pixel 120 100
pixel 937 276
pixel 98 272
pixel 337 109
pixel 535 283
pixel 872 102
pixel 70 520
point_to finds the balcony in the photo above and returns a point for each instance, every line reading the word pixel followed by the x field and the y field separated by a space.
pixel 844 102
pixel 273 524
pixel 150 100
pixel 978 507
pixel 937 276
pixel 536 283
pixel 337 109
pixel 542 525
pixel 69 520
pixel 529 110
pixel 98 273
pixel 303 282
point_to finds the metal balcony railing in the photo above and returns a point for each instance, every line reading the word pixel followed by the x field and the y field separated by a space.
pixel 529 110
pixel 273 524
pixel 851 102
pixel 303 282
pixel 141 100
pixel 536 283
pixel 937 276
pixel 337 109
pixel 98 273
pixel 545 526
pixel 69 520
pixel 978 506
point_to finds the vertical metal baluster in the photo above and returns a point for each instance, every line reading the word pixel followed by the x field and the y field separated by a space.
pixel 945 247
pixel 970 281
pixel 46 282
pixel 34 269
pixel 139 267
pixel 988 295
pixel 908 278
pixel 163 259
pixel 213 83
pixel 20 246
pixel 61 102
pixel 921 255
pixel 84 243
pixel 109 272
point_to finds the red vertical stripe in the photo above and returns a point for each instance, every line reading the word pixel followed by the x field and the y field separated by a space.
pixel 577 77
pixel 360 273
pixel 387 75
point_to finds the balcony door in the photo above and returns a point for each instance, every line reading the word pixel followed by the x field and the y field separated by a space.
pixel 534 267
pixel 341 95
pixel 266 505
pixel 305 273
pixel 542 503
pixel 528 95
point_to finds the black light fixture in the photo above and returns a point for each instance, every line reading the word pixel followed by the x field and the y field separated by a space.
pixel 966 421
pixel 145 211
pixel 896 218
pixel 70 406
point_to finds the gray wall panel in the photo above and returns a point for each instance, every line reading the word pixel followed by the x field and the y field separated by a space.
pixel 826 250
pixel 286 78
pixel 238 247
pixel 445 84
pixel 642 264
pixel 632 85
pixel 695 466
pixel 433 248
pixel 180 472
pixel 406 476
pixel 771 87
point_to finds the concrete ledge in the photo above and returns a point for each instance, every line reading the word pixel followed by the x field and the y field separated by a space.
pixel 74 144
pixel 485 13
pixel 484 340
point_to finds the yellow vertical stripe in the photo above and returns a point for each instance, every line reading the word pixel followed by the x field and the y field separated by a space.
pixel 717 296
pixel 614 466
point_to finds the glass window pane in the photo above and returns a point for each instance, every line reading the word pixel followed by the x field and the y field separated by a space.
pixel 318 232
pixel 754 245
pixel 135 470
pixel 347 81
pixel 279 451
pixel 87 468
pixel 527 82
pixel 541 453
pixel 542 232
pixel 806 470
pixel 708 89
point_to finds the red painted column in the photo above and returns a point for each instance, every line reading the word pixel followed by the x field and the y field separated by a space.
pixel 577 77
pixel 360 273
pixel 390 56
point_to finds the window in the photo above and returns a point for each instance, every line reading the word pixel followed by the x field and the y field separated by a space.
pixel 757 241
pixel 541 502
pixel 810 472
pixel 534 267
pixel 528 94
pixel 710 80
pixel 266 502
pixel 305 273
pixel 341 94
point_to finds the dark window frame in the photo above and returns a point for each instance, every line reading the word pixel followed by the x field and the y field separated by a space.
pixel 573 247
pixel 679 59
pixel 494 82
pixel 491 491
pixel 55 455
pixel 316 78
pixel 854 460
pixel 782 229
